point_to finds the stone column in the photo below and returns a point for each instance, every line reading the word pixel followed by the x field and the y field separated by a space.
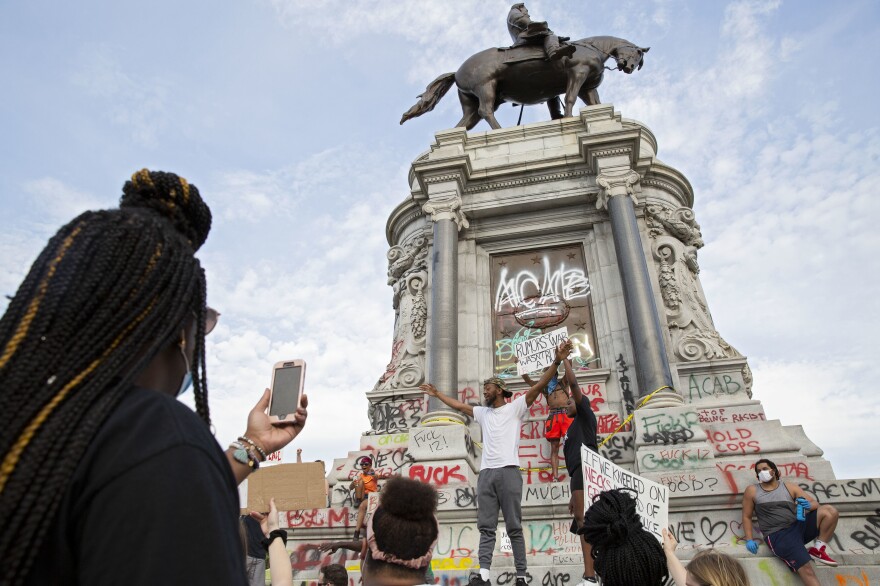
pixel 617 195
pixel 442 368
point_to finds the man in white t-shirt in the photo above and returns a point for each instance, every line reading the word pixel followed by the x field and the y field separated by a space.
pixel 499 486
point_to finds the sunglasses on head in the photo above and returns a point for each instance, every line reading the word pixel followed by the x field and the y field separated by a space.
pixel 211 318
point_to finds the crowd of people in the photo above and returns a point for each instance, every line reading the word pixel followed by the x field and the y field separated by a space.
pixel 107 478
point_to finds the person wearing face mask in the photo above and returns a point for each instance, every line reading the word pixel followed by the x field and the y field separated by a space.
pixel 105 476
pixel 788 519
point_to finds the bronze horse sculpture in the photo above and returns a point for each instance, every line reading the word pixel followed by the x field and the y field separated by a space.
pixel 489 78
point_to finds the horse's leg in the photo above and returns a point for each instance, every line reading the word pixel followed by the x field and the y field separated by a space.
pixel 590 97
pixel 486 94
pixel 576 78
pixel 469 108
pixel 555 107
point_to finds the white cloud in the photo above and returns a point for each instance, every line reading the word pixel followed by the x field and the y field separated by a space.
pixel 48 203
pixel 59 202
pixel 139 105
pixel 317 292
pixel 821 396
pixel 784 193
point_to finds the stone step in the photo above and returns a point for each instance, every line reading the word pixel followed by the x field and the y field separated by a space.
pixel 761 570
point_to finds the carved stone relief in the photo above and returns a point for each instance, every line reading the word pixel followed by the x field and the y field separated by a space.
pixel 676 239
pixel 617 182
pixel 408 277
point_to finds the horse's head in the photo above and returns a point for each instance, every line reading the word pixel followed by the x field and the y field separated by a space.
pixel 629 57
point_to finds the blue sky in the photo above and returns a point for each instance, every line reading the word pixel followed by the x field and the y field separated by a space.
pixel 285 114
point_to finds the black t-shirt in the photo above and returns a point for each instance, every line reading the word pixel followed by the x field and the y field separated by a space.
pixel 153 501
pixel 581 431
pixel 255 537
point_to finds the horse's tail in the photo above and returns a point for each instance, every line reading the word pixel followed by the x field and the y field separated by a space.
pixel 432 94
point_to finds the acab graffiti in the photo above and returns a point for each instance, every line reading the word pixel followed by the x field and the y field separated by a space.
pixel 525 289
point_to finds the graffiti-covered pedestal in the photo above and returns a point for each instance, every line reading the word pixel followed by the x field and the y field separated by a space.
pixel 574 223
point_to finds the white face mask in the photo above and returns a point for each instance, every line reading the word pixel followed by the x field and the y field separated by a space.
pixel 765 475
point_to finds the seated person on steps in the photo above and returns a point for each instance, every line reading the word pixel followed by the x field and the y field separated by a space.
pixel 364 483
pixel 788 519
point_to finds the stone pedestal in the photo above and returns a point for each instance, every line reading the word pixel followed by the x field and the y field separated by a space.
pixel 507 233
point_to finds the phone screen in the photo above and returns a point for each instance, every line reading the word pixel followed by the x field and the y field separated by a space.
pixel 285 391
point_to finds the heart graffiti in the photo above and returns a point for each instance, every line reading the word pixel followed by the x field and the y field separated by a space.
pixel 710 530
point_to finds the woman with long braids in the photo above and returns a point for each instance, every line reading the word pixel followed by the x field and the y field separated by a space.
pixel 105 477
pixel 625 554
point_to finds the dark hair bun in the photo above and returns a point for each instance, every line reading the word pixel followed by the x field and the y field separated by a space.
pixel 408 499
pixel 173 198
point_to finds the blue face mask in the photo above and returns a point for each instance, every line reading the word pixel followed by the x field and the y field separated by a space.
pixel 186 383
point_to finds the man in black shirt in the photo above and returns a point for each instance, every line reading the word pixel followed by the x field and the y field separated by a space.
pixel 582 431
pixel 256 549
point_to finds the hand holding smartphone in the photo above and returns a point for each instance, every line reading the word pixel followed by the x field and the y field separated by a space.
pixel 288 377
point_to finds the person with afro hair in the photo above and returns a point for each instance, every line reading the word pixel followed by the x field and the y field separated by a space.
pixel 401 535
pixel 624 553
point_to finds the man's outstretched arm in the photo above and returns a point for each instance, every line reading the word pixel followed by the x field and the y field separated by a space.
pixel 448 401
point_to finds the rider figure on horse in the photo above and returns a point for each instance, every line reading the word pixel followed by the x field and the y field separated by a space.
pixel 525 32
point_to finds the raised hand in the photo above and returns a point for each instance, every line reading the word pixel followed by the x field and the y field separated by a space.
pixel 272 521
pixel 274 436
pixel 429 389
pixel 563 350
pixel 669 541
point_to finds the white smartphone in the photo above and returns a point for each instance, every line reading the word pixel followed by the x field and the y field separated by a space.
pixel 288 377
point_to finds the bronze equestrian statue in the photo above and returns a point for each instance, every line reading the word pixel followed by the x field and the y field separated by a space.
pixel 525 32
pixel 530 73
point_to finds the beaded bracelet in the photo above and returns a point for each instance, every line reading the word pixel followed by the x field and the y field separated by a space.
pixel 244 456
pixel 244 438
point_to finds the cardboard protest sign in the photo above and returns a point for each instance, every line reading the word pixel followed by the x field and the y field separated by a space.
pixel 293 486
pixel 652 499
pixel 539 352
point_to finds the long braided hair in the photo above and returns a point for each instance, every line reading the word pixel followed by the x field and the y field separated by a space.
pixel 625 553
pixel 110 290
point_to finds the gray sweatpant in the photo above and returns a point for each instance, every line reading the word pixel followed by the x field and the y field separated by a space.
pixel 500 488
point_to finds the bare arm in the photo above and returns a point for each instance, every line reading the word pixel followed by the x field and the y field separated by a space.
pixel 334 545
pixel 676 569
pixel 562 351
pixel 748 506
pixel 576 393
pixel 279 561
pixel 448 401
pixel 798 492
